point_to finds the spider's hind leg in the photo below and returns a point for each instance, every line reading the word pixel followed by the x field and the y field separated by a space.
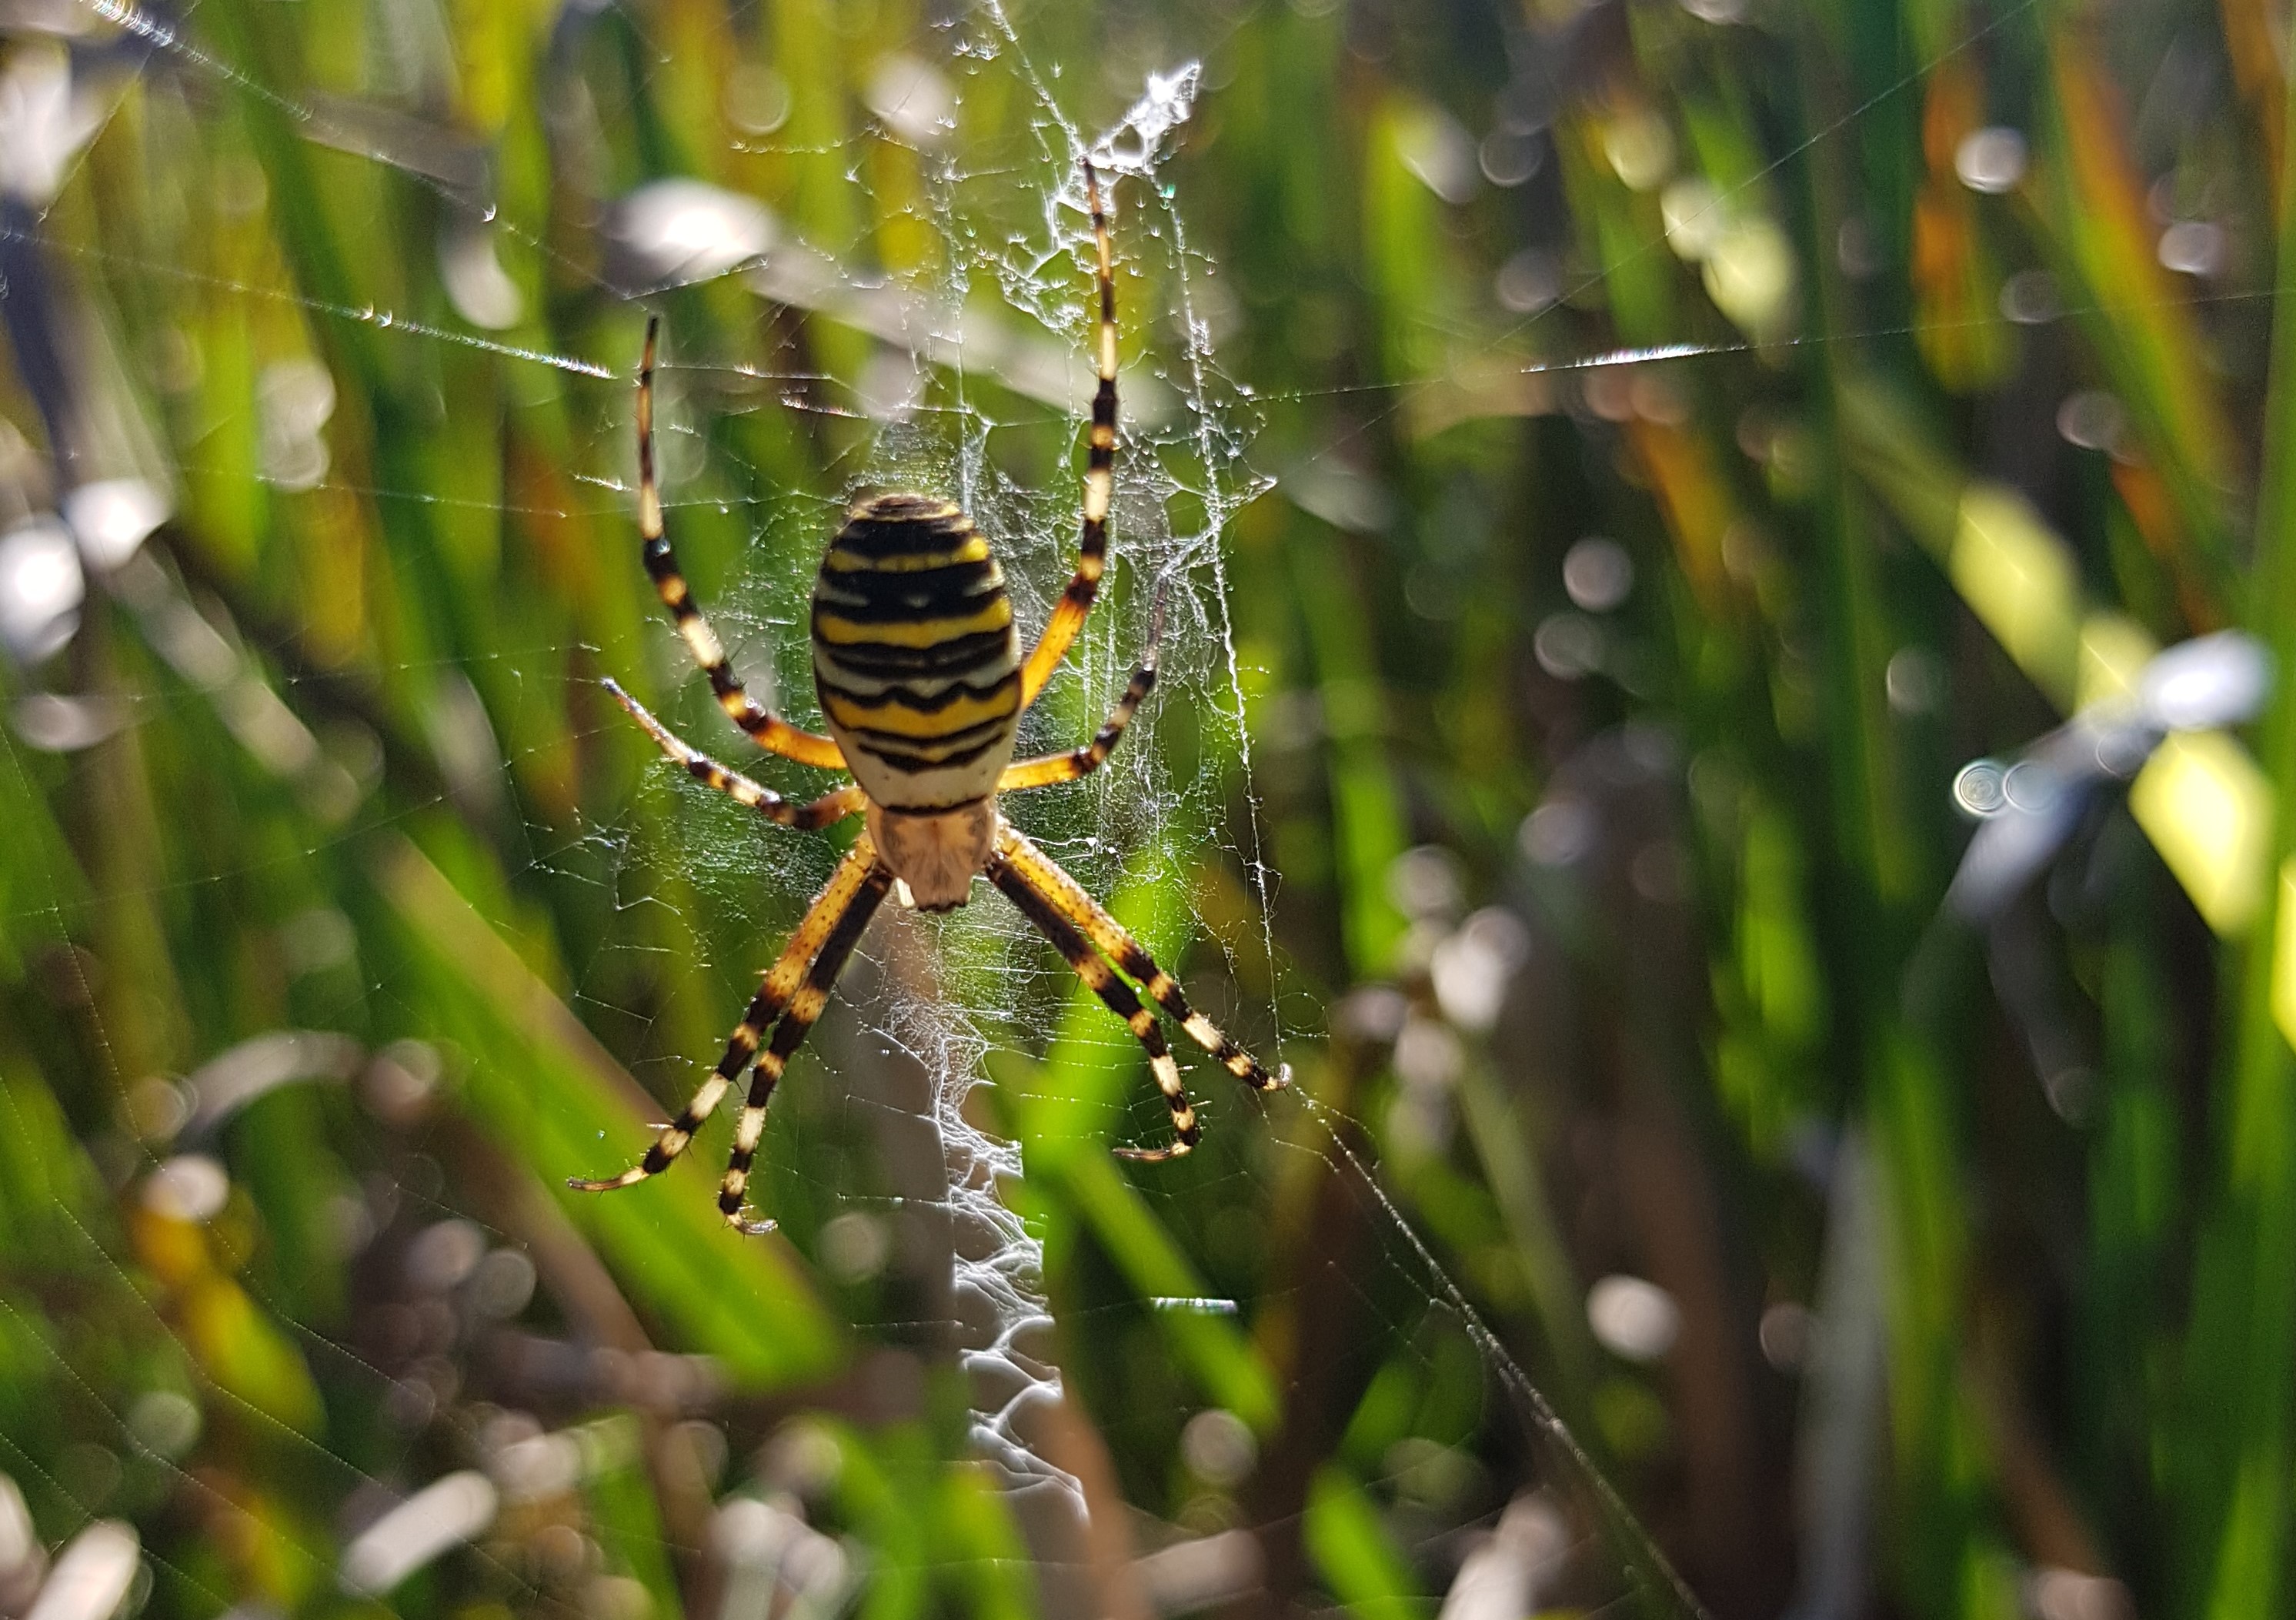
pixel 1057 889
pixel 814 934
pixel 1116 994
pixel 844 934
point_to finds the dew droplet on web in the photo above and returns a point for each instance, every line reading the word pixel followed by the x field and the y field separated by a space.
pixel 41 587
pixel 191 1187
pixel 1509 158
pixel 1632 1318
pixel 1557 834
pixel 2029 297
pixel 1693 213
pixel 2193 247
pixel 2092 419
pixel 1597 574
pixel 1218 1448
pixel 1914 681
pixel 757 100
pixel 1977 788
pixel 1991 161
pixel 912 98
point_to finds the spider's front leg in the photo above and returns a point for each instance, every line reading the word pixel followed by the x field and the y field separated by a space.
pixel 766 729
pixel 1099 476
pixel 1049 768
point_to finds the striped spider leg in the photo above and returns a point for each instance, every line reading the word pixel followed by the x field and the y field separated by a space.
pixel 1099 476
pixel 1090 940
pixel 1047 917
pixel 830 807
pixel 792 991
pixel 1049 768
pixel 765 729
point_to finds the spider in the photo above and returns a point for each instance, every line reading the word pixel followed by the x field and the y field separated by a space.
pixel 921 682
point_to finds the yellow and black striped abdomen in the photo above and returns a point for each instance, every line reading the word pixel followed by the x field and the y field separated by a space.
pixel 915 653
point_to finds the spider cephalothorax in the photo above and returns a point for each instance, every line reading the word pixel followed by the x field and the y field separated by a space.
pixel 922 685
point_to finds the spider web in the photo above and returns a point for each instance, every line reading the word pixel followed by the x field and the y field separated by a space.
pixel 936 1002
pixel 1004 314
pixel 957 365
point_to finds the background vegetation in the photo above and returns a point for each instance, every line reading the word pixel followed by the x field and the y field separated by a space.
pixel 1658 447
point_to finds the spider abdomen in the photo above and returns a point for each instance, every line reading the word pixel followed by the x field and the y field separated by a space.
pixel 914 655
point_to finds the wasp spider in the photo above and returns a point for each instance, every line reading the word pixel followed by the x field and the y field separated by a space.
pixel 921 680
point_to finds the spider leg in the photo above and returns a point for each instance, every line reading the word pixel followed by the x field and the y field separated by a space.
pixel 804 1009
pixel 766 729
pixel 1043 874
pixel 1049 768
pixel 821 812
pixel 780 982
pixel 1052 768
pixel 1101 979
pixel 1099 477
